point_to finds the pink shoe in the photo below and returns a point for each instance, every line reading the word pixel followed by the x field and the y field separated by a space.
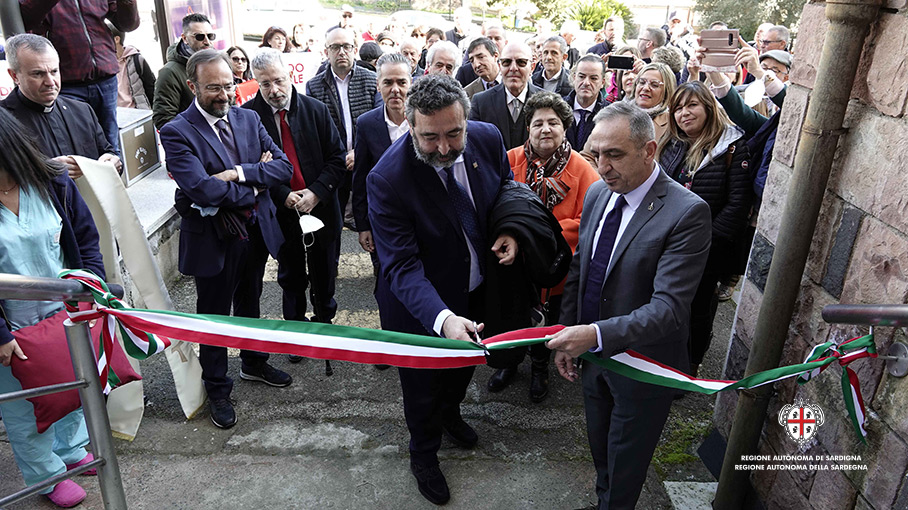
pixel 85 460
pixel 66 494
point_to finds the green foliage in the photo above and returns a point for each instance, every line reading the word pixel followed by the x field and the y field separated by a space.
pixel 593 14
pixel 746 15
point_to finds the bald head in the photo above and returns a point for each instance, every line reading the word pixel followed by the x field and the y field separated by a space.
pixel 515 61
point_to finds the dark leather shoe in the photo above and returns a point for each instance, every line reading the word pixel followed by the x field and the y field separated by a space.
pixel 293 358
pixel 431 482
pixel 539 384
pixel 222 413
pixel 266 374
pixel 461 434
pixel 501 379
pixel 382 367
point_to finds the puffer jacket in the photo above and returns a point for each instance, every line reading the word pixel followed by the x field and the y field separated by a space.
pixel 136 71
pixel 171 94
pixel 723 180
pixel 362 93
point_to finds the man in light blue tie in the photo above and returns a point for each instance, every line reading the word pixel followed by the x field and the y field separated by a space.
pixel 643 246
pixel 429 199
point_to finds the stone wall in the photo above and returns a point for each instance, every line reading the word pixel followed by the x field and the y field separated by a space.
pixel 859 254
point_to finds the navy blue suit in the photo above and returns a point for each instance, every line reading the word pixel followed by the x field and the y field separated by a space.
pixel 425 266
pixel 224 266
pixel 366 153
pixel 578 140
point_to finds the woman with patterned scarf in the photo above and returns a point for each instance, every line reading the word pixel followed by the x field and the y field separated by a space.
pixel 560 176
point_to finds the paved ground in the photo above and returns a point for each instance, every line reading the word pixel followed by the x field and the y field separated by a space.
pixel 340 441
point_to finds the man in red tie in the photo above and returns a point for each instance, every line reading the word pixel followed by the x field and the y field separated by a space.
pixel 302 126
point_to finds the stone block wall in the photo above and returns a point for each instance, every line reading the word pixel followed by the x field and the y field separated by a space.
pixel 859 255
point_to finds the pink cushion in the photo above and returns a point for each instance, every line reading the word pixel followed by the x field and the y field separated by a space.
pixel 49 363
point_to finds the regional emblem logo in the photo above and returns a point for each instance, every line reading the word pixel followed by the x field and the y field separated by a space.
pixel 801 420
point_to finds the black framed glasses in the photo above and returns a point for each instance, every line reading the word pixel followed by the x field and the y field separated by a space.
pixel 337 47
pixel 239 59
pixel 202 37
pixel 348 15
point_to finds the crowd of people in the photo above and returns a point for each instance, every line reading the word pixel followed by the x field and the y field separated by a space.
pixel 497 182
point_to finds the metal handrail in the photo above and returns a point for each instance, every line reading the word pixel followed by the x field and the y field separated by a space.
pixel 85 368
pixel 867 315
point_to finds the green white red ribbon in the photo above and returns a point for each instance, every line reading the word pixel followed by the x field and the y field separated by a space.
pixel 147 332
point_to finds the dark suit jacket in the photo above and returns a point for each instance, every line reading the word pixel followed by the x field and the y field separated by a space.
pixel 491 106
pixel 422 251
pixel 651 279
pixel 194 155
pixel 318 147
pixel 367 151
pixel 564 80
pixel 579 139
pixel 87 136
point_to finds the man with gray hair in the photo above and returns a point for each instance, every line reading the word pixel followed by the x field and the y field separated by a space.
pixel 774 38
pixel 224 162
pixel 443 58
pixel 302 127
pixel 643 244
pixel 552 75
pixel 650 39
pixel 429 199
pixel 62 126
pixel 569 30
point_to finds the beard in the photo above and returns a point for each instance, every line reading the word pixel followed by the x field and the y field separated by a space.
pixel 435 159
pixel 216 108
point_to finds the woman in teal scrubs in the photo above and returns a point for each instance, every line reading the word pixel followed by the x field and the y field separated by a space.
pixel 44 227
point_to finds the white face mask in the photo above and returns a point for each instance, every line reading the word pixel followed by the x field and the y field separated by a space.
pixel 310 224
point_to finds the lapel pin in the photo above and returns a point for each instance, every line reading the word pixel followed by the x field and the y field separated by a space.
pixel 650 208
pixel 475 165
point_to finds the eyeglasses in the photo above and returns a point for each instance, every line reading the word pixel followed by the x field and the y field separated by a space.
pixel 216 89
pixel 266 85
pixel 653 84
pixel 201 37
pixel 767 42
pixel 337 47
pixel 521 62
pixel 348 15
pixel 239 59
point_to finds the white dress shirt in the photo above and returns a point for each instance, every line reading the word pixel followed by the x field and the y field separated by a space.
pixel 343 86
pixel 395 131
pixel 577 109
pixel 521 100
pixel 634 200
pixel 241 177
pixel 460 173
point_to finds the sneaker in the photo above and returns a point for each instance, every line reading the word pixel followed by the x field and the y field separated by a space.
pixel 88 458
pixel 725 292
pixel 222 414
pixel 66 494
pixel 266 374
pixel 431 482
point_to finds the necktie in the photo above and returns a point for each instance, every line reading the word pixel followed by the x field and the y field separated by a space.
pixel 227 139
pixel 466 213
pixel 599 263
pixel 580 127
pixel 297 182
pixel 515 109
pixel 492 84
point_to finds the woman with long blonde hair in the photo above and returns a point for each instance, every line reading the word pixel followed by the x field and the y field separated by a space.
pixel 653 90
pixel 704 151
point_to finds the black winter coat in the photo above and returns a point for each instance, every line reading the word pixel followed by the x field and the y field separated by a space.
pixel 725 183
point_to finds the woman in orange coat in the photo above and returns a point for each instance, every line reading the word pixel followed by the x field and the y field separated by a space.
pixel 560 176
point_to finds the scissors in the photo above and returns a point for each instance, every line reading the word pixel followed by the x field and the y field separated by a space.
pixel 474 338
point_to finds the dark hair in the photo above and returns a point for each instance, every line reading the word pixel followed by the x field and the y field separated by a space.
pixel 369 51
pixel 591 58
pixel 194 18
pixel 293 41
pixel 543 100
pixel 270 33
pixel 22 159
pixel 385 35
pixel 485 42
pixel 436 31
pixel 433 93
pixel 114 31
pixel 247 74
pixel 204 57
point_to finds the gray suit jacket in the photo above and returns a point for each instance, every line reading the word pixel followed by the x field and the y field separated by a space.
pixel 475 87
pixel 651 279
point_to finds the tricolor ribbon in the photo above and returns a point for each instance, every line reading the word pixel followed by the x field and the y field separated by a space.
pixel 147 332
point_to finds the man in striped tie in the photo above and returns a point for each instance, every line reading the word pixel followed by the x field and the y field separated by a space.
pixel 643 245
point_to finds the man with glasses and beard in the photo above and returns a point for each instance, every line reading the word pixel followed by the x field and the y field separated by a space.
pixel 429 197
pixel 171 94
pixel 502 105
pixel 302 127
pixel 224 162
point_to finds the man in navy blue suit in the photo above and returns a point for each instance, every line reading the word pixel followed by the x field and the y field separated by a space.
pixel 429 198
pixel 224 162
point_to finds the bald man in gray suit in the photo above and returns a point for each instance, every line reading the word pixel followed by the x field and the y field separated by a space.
pixel 643 245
